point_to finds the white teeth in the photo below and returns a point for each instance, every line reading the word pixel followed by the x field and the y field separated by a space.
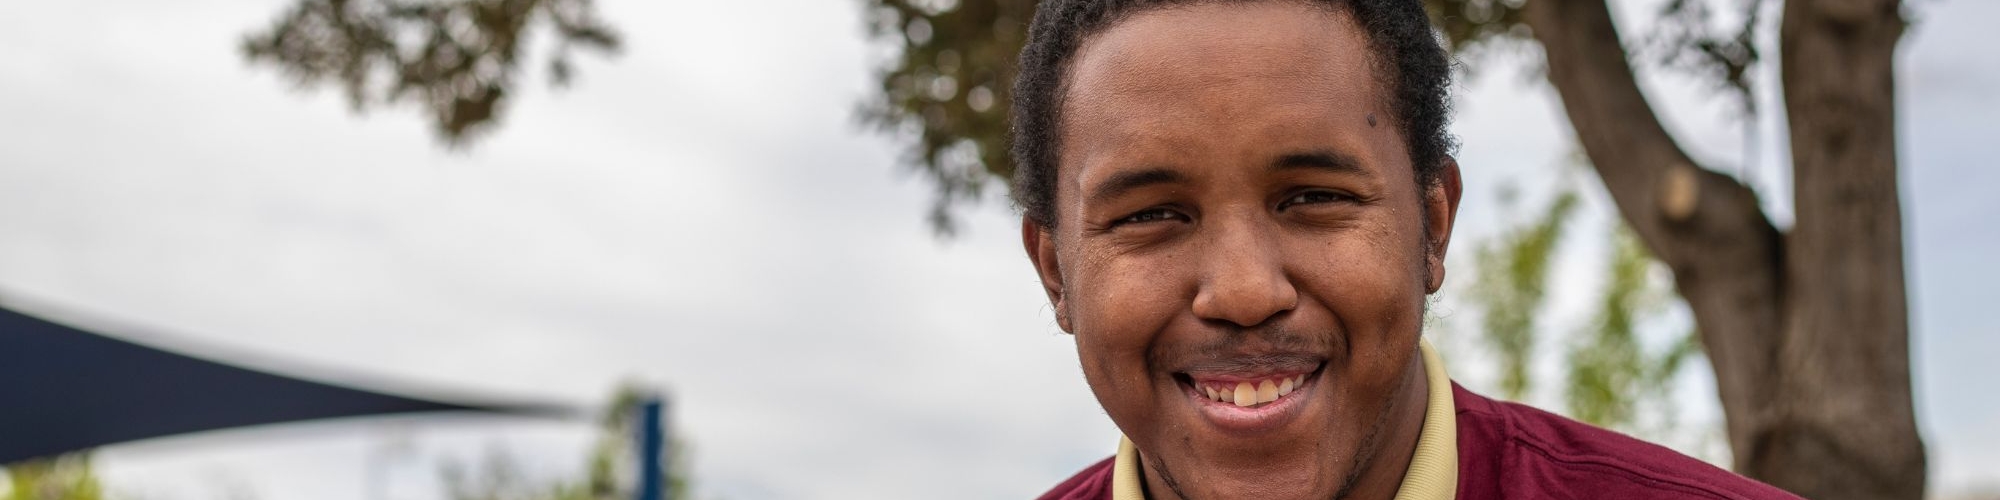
pixel 1255 393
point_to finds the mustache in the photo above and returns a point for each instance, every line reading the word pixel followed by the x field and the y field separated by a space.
pixel 1236 348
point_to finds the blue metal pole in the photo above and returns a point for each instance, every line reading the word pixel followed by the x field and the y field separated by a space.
pixel 652 440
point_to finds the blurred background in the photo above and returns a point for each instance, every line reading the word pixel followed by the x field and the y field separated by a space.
pixel 783 214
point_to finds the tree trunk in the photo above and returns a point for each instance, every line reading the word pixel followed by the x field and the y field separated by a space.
pixel 1808 333
pixel 1851 425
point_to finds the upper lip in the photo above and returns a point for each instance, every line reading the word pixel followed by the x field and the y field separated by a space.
pixel 1249 367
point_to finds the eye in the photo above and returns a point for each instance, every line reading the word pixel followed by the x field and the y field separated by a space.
pixel 1314 197
pixel 1151 215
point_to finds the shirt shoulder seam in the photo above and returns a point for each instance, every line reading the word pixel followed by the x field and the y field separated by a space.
pixel 1623 469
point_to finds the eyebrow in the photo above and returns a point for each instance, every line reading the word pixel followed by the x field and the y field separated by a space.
pixel 1320 160
pixel 1125 182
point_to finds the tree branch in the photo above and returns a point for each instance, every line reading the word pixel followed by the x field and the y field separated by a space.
pixel 1726 256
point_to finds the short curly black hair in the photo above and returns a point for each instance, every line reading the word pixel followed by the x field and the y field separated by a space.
pixel 1399 33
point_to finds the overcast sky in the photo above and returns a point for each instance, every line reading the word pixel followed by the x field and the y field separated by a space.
pixel 704 213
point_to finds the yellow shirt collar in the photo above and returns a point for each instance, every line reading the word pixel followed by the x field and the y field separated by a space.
pixel 1433 473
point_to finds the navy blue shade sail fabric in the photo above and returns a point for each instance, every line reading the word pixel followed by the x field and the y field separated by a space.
pixel 64 389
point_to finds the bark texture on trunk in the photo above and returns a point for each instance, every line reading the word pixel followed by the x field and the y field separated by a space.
pixel 1851 425
pixel 1808 332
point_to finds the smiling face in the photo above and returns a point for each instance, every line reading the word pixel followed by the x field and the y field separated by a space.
pixel 1242 250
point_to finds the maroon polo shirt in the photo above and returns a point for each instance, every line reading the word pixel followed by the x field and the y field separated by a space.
pixel 1510 450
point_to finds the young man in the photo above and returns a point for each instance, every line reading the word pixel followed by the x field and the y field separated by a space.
pixel 1238 208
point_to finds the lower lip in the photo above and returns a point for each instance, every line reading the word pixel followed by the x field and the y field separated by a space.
pixel 1246 420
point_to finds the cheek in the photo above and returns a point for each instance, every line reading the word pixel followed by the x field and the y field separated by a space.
pixel 1119 309
pixel 1372 284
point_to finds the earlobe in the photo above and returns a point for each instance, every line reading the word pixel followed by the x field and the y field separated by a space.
pixel 1040 244
pixel 1441 199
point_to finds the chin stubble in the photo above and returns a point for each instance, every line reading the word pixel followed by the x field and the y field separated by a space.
pixel 1364 456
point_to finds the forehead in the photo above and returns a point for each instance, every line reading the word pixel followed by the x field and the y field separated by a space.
pixel 1223 47
pixel 1220 74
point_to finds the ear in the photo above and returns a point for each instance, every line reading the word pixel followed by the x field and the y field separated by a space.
pixel 1041 246
pixel 1440 211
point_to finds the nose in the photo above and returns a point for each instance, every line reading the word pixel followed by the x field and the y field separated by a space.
pixel 1243 278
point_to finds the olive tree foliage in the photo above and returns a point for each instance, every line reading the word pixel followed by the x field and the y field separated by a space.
pixel 1611 375
pixel 1511 288
pixel 946 93
pixel 62 477
pixel 1806 327
pixel 457 60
